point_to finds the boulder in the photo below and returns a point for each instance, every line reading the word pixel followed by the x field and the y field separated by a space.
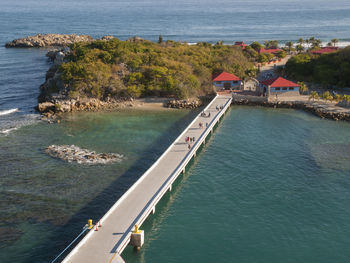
pixel 46 107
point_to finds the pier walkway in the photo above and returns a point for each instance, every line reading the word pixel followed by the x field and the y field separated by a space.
pixel 106 244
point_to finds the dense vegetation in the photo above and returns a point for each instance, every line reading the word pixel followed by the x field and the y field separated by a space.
pixel 252 51
pixel 328 69
pixel 142 68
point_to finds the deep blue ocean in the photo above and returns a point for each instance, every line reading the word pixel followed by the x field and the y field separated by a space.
pixel 272 185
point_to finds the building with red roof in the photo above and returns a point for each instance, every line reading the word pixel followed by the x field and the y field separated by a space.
pixel 241 44
pixel 269 50
pixel 324 50
pixel 279 86
pixel 226 81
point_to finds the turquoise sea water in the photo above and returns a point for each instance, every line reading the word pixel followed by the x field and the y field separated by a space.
pixel 45 202
pixel 271 186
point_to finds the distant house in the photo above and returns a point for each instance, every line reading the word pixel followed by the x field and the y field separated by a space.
pixel 324 50
pixel 269 50
pixel 279 87
pixel 241 44
pixel 226 81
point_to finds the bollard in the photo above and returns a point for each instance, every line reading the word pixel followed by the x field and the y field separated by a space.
pixel 90 225
pixel 137 238
pixel 136 229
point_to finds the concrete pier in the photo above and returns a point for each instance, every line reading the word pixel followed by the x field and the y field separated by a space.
pixel 141 199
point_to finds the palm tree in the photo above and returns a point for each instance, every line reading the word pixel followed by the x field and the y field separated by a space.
pixel 303 88
pixel 307 41
pixel 346 98
pixel 313 95
pixel 289 44
pixel 338 98
pixel 327 96
pixel 301 41
pixel 316 43
pixel 299 48
pixel 334 41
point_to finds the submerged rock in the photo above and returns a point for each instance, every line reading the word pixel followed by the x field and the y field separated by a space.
pixel 72 153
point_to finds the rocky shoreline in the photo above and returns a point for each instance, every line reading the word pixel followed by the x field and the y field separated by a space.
pixel 54 99
pixel 184 104
pixel 311 107
pixel 48 40
pixel 72 153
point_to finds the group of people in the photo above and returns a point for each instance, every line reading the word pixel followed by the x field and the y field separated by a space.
pixel 189 140
pixel 219 108
pixel 203 114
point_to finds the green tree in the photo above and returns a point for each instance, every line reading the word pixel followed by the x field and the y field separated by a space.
pixel 301 41
pixel 303 88
pixel 327 96
pixel 271 44
pixel 281 54
pixel 289 45
pixel 314 96
pixel 316 43
pixel 334 41
pixel 256 46
pixel 307 42
pixel 262 58
pixel 338 97
pixel 299 48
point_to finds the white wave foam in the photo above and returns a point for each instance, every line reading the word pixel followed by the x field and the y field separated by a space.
pixel 25 120
pixel 5 112
pixel 7 131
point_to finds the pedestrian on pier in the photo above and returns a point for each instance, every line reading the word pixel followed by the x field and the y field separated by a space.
pixel 189 147
pixel 190 139
pixel 217 108
pixel 209 115
pixel 206 125
pixel 193 139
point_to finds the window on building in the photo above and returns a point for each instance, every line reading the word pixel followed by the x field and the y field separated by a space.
pixel 235 82
pixel 284 88
pixel 218 82
pixel 291 88
pixel 277 88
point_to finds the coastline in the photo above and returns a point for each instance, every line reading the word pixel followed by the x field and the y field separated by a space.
pixel 319 108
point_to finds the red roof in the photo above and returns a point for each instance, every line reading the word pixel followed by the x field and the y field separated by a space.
pixel 324 50
pixel 270 50
pixel 224 76
pixel 279 82
pixel 241 44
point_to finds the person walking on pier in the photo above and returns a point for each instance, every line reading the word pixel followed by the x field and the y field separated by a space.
pixel 189 147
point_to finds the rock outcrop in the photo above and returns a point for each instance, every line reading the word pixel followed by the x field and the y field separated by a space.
pixel 184 104
pixel 48 40
pixel 72 153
